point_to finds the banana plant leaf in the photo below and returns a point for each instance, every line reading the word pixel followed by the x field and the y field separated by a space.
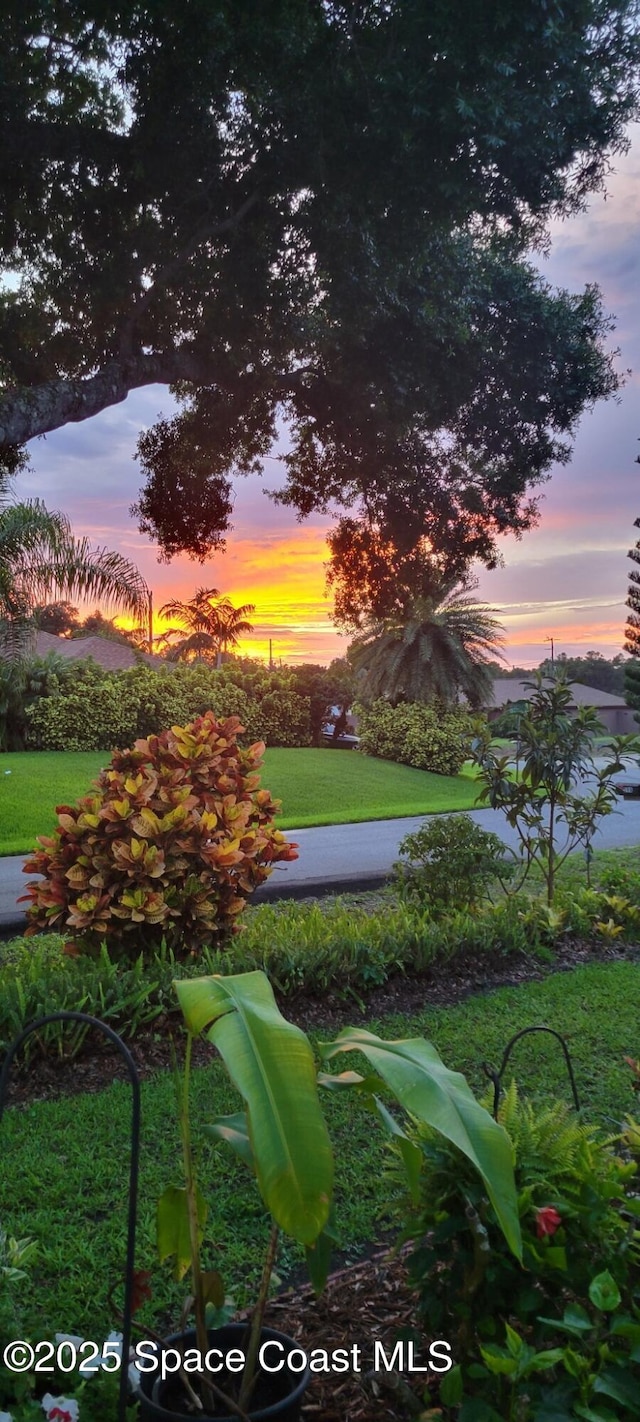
pixel 235 1131
pixel 442 1099
pixel 271 1063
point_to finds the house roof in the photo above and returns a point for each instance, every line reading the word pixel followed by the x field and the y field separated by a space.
pixel 112 656
pixel 505 690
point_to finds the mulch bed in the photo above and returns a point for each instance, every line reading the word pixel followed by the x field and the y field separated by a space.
pixel 365 1303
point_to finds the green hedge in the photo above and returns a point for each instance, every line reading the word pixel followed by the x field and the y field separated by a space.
pixel 427 737
pixel 102 710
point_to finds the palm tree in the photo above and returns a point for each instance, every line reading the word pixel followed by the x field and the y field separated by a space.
pixel 39 555
pixel 441 647
pixel 212 625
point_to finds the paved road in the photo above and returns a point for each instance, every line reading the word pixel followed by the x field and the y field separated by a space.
pixel 344 857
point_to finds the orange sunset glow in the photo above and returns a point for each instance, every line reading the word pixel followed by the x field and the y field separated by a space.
pixel 283 576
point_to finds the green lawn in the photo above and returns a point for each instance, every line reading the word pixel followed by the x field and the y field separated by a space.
pixel 64 1163
pixel 317 787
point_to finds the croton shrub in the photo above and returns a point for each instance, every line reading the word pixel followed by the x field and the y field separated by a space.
pixel 169 844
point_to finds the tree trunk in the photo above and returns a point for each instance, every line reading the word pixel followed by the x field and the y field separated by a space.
pixel 36 410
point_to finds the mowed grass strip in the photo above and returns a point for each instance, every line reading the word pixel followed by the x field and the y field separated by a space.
pixel 65 1162
pixel 316 787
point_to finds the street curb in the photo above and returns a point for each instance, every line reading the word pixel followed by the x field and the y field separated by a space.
pixel 13 924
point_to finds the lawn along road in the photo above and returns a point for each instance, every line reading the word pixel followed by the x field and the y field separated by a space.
pixel 344 858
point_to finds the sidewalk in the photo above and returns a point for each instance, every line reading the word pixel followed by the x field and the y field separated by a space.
pixel 342 858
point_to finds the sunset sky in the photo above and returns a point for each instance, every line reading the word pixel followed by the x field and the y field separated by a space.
pixel 566 579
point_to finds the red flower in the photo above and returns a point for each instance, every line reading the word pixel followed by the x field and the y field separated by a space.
pixel 547 1221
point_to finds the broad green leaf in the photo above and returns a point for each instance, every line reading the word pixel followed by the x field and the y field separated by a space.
pixel 515 1343
pixel 498 1360
pixel 549 1358
pixel 430 1092
pixel 575 1320
pixel 604 1292
pixel 625 1326
pixel 271 1064
pixel 233 1130
pixel 349 1081
pixel 451 1389
pixel 618 1384
pixel 172 1227
pixel 474 1409
pixel 556 1257
pixel 575 1316
pixel 212 1287
pixel 589 1414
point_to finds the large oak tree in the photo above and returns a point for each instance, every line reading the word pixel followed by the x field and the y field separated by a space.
pixel 318 210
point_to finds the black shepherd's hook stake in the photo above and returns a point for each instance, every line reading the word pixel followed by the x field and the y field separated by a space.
pixel 496 1076
pixel 133 1168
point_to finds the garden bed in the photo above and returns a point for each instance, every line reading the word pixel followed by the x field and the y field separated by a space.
pixel 98 1064
pixel 48 1162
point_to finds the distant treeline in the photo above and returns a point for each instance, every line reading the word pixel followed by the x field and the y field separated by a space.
pixel 592 670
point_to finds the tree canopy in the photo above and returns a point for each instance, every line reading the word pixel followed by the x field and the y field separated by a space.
pixel 312 210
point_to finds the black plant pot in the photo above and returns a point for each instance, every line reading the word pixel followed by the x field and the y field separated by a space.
pixel 276 1395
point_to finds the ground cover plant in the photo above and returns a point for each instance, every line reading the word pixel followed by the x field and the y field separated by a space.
pixel 315 786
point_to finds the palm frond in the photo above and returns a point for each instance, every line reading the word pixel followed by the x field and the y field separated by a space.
pixel 440 648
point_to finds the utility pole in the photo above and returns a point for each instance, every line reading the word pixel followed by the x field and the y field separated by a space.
pixel 550 639
pixel 270 654
pixel 150 622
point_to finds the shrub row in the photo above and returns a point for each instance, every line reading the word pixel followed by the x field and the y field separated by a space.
pixel 98 710
pixel 303 949
pixel 426 737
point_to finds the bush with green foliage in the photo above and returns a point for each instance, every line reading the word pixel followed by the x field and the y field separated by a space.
pixel 141 701
pixel 578 1209
pixel 24 683
pixel 450 862
pixel 168 846
pixel 427 737
pixel 507 724
pixel 79 721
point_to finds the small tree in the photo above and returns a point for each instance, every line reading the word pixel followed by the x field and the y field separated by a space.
pixel 556 759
